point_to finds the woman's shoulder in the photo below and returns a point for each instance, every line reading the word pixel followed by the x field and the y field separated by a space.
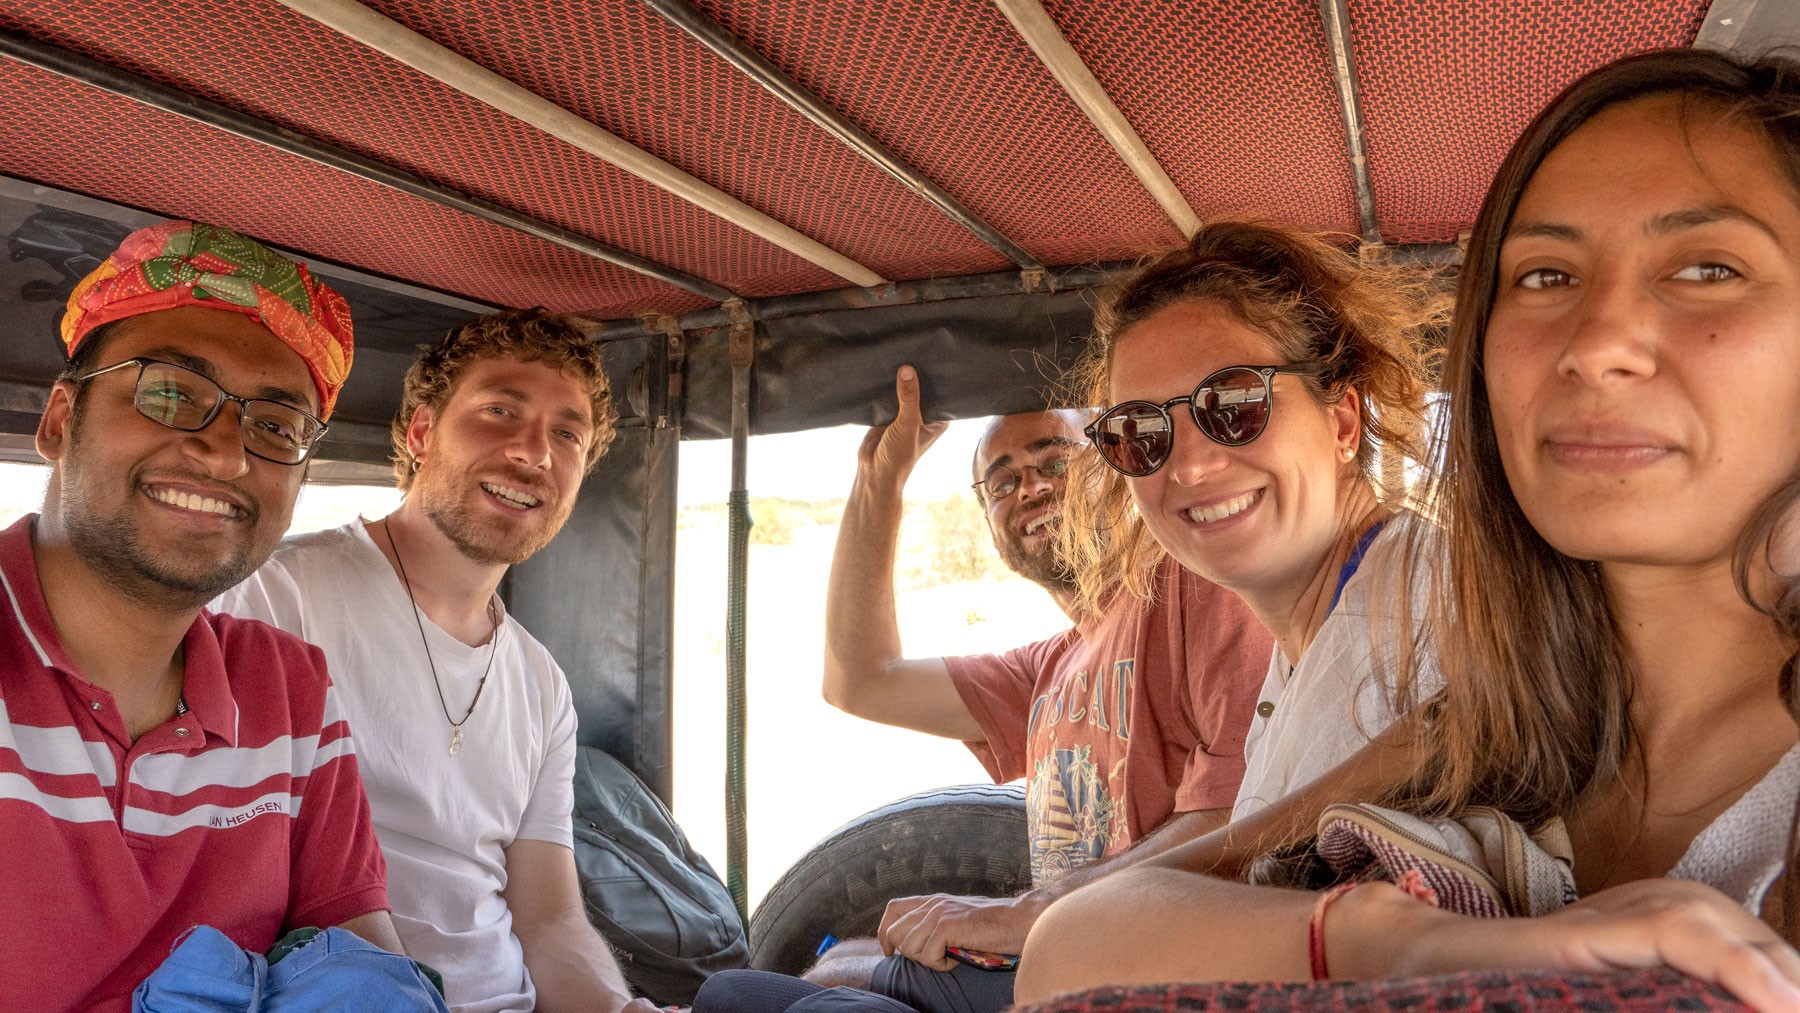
pixel 1743 851
pixel 1400 563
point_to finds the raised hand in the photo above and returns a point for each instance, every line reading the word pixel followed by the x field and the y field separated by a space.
pixel 889 452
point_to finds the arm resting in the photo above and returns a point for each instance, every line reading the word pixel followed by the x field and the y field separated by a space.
pixel 571 966
pixel 376 927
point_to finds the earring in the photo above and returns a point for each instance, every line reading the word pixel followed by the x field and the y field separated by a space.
pixel 415 465
pixel 1349 452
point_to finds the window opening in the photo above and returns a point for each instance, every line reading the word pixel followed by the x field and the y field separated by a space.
pixel 811 768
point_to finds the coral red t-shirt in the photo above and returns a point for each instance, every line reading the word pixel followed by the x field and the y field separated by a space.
pixel 1132 716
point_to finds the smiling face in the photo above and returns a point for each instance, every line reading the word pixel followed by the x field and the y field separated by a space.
pixel 501 461
pixel 1260 516
pixel 1024 522
pixel 1643 353
pixel 169 517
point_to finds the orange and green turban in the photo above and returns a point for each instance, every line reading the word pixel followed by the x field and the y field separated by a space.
pixel 193 264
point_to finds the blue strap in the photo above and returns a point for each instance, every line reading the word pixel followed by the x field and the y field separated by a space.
pixel 1355 560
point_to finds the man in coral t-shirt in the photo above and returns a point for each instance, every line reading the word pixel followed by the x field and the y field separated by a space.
pixel 1129 729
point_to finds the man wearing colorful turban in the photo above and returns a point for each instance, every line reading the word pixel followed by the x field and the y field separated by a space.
pixel 194 264
pixel 164 766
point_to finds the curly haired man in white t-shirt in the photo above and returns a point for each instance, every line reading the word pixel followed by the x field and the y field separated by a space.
pixel 464 723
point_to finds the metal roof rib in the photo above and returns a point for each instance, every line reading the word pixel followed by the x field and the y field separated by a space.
pixel 715 37
pixel 76 67
pixel 1336 16
pixel 1039 30
pixel 79 68
pixel 408 47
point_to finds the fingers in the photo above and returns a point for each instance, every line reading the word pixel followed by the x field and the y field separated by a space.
pixel 912 927
pixel 1755 975
pixel 890 451
pixel 924 942
pixel 1695 930
pixel 896 911
pixel 1747 959
pixel 907 418
pixel 871 442
pixel 906 390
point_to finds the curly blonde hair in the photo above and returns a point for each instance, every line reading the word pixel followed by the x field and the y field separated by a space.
pixel 529 335
pixel 1364 327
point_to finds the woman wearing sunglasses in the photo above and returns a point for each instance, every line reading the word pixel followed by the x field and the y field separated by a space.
pixel 1252 382
pixel 1619 499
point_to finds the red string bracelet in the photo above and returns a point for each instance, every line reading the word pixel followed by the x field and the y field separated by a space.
pixel 1410 881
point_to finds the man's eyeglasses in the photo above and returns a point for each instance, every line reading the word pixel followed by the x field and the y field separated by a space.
pixel 182 399
pixel 1231 406
pixel 1001 482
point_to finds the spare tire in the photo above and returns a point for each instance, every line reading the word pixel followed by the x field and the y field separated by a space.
pixel 968 840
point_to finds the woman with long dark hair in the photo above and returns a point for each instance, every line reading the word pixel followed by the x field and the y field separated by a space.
pixel 1616 625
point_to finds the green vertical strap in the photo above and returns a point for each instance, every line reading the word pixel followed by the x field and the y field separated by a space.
pixel 736 849
pixel 743 358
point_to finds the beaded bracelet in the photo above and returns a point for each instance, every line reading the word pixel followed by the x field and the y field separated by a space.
pixel 1410 881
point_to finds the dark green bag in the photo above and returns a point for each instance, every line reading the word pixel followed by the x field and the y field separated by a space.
pixel 651 895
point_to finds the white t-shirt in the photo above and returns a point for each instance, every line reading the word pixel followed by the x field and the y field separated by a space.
pixel 1317 714
pixel 443 821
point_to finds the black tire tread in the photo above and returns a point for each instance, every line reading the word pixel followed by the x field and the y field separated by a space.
pixel 967 839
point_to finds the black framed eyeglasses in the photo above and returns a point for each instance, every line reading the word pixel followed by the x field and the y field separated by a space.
pixel 1231 406
pixel 180 398
pixel 1003 481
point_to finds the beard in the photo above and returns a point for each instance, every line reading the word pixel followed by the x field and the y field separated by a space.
pixel 451 509
pixel 1042 567
pixel 115 547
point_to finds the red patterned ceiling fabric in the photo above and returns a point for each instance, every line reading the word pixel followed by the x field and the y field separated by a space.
pixel 618 64
pixel 67 135
pixel 1437 127
pixel 1238 106
pixel 1235 100
pixel 263 59
pixel 951 88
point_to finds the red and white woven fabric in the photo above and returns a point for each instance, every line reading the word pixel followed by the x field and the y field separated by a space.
pixel 1483 864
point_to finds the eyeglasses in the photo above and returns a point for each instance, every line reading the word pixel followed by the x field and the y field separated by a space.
pixel 182 399
pixel 1001 482
pixel 1231 406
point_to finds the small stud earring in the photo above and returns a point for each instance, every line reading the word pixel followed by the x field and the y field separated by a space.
pixel 1349 452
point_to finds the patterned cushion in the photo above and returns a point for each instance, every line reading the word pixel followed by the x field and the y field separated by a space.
pixel 1488 991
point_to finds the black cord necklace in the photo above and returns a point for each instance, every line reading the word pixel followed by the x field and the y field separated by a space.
pixel 456 733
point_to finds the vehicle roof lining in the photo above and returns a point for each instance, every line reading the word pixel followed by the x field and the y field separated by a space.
pixel 1238 106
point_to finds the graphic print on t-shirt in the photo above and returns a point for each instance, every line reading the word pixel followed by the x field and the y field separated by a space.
pixel 1073 795
pixel 1071 813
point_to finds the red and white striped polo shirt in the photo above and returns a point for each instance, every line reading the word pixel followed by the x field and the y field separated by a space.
pixel 245 813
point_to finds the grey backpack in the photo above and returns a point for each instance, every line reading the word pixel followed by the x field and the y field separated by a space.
pixel 651 895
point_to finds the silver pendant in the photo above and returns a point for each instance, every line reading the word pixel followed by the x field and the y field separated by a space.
pixel 455 741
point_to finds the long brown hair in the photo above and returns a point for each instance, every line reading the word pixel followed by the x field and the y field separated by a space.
pixel 1363 326
pixel 1534 714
